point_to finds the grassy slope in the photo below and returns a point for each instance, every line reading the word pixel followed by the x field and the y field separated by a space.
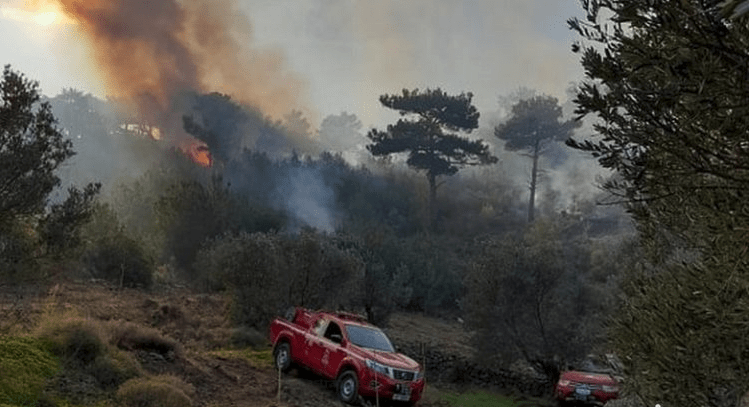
pixel 25 364
pixel 211 370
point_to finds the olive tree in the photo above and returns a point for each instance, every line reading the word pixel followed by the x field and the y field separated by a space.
pixel 32 148
pixel 667 85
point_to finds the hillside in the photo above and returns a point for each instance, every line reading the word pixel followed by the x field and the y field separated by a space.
pixel 189 336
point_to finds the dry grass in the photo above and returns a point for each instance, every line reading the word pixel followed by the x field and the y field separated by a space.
pixel 77 341
pixel 449 336
pixel 131 337
pixel 157 391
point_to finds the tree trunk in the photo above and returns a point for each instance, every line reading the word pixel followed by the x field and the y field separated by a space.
pixel 534 180
pixel 432 200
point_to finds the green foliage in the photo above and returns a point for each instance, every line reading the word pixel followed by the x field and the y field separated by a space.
pixel 673 122
pixel 381 289
pixel 31 148
pixel 534 122
pixel 158 391
pixel 429 273
pixel 673 125
pixel 103 223
pixel 120 260
pixel 479 399
pixel 18 260
pixel 269 272
pixel 428 137
pixel 686 326
pixel 191 212
pixel 26 364
pixel 530 296
pixel 31 151
pixel 60 229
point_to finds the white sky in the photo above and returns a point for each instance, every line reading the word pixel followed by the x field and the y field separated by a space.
pixel 351 51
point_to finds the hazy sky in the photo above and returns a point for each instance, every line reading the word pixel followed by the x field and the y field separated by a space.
pixel 348 52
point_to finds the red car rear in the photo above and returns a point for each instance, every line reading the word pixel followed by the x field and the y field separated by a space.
pixel 586 387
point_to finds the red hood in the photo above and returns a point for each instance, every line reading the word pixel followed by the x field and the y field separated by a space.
pixel 590 378
pixel 392 359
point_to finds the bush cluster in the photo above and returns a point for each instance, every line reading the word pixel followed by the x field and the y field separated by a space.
pixel 130 336
pixel 120 260
pixel 267 273
pixel 17 246
pixel 158 391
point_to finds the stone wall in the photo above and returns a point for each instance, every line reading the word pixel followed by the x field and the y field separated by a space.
pixel 454 369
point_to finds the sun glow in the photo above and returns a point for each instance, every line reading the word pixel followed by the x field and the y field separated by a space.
pixel 42 13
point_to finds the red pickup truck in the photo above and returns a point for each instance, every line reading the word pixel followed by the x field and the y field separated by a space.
pixel 344 347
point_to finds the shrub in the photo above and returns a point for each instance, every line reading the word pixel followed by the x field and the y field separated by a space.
pixel 269 272
pixel 17 257
pixel 25 364
pixel 159 391
pixel 82 346
pixel 113 369
pixel 131 336
pixel 121 260
pixel 77 341
pixel 247 337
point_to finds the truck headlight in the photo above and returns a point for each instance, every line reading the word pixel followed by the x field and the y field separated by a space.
pixel 379 368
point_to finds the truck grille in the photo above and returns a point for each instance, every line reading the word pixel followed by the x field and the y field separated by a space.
pixel 404 375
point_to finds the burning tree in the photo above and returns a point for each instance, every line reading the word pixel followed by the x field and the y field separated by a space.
pixel 429 135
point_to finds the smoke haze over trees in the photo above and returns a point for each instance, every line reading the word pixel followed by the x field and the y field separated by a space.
pixel 208 166
pixel 225 193
pixel 426 135
pixel 533 125
pixel 369 220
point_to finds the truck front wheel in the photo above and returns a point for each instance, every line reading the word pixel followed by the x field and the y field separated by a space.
pixel 347 386
pixel 282 356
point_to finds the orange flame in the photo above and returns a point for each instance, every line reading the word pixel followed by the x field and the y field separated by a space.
pixel 197 151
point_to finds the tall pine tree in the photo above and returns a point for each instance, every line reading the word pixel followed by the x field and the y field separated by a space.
pixel 428 134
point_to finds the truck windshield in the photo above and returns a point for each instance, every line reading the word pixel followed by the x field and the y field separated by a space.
pixel 371 338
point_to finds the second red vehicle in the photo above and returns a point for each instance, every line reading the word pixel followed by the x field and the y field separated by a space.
pixel 346 348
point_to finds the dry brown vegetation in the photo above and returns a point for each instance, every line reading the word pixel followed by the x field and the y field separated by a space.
pixel 170 346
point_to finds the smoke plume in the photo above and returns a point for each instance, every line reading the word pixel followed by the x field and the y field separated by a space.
pixel 154 53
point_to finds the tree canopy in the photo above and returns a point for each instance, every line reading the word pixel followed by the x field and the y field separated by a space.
pixel 534 122
pixel 429 135
pixel 31 147
pixel 667 81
